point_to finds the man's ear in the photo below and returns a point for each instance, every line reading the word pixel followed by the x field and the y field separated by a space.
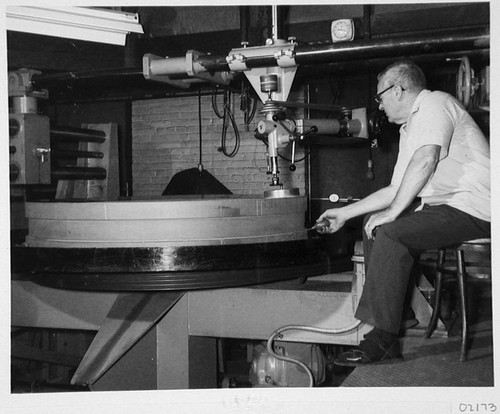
pixel 398 90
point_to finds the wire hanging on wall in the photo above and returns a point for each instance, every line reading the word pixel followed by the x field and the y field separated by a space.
pixel 227 118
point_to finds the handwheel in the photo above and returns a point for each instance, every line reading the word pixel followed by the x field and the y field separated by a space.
pixel 464 81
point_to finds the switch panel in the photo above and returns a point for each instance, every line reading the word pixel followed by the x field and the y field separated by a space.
pixel 29 149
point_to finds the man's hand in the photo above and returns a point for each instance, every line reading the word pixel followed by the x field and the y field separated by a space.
pixel 377 219
pixel 333 219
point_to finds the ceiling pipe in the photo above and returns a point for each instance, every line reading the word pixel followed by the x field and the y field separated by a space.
pixel 56 79
pixel 369 49
pixel 470 39
pixel 450 41
pixel 377 64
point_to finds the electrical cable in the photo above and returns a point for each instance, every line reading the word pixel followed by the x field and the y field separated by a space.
pixel 214 104
pixel 227 118
pixel 278 333
pixel 248 105
pixel 250 117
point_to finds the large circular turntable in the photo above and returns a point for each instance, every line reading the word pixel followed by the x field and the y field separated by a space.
pixel 175 243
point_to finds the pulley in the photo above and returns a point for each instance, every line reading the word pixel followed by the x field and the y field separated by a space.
pixel 466 82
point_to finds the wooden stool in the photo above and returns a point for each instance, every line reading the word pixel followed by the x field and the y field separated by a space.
pixel 462 270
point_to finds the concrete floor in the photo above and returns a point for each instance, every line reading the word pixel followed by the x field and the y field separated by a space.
pixel 434 362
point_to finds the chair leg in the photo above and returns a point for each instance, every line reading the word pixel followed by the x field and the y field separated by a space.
pixel 438 289
pixel 462 291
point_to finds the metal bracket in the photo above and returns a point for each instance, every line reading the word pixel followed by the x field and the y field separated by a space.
pixel 188 63
pixel 215 77
pixel 148 73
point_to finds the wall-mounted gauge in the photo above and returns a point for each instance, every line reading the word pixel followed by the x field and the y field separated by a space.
pixel 342 30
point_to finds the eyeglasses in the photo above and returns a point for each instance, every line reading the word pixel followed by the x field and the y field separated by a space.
pixel 378 96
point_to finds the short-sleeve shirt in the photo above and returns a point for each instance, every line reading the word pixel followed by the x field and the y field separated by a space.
pixel 462 177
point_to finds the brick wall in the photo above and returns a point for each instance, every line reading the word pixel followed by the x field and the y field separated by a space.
pixel 165 138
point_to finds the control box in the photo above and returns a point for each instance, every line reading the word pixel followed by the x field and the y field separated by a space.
pixel 29 149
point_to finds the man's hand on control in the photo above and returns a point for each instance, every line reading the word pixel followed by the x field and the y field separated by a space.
pixel 330 221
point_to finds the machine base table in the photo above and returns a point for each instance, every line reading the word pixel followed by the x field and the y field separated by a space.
pixel 173 345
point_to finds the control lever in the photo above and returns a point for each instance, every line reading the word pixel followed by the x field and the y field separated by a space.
pixel 292 165
pixel 322 223
pixel 312 130
pixel 41 153
pixel 279 119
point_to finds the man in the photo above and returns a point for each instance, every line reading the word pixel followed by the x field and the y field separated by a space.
pixel 439 195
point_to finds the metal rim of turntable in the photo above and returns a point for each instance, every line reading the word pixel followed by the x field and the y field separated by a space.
pixel 177 268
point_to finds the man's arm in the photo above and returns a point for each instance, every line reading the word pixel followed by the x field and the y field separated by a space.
pixel 337 217
pixel 420 169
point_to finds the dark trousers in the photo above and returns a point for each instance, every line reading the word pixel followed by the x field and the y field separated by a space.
pixel 390 256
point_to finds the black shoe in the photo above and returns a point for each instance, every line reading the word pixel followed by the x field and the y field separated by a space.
pixel 372 350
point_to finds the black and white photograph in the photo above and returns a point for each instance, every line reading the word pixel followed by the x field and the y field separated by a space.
pixel 281 207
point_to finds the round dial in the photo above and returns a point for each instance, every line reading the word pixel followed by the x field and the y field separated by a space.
pixel 342 30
